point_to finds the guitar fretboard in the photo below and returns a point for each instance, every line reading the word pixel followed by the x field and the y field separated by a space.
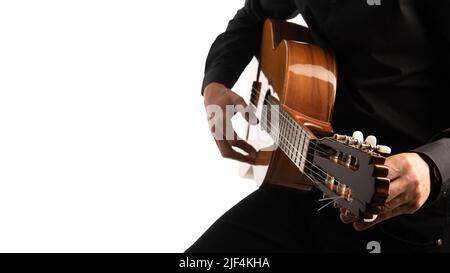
pixel 290 137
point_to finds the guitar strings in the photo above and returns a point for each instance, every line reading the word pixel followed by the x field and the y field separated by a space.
pixel 289 120
pixel 301 156
pixel 329 203
pixel 280 113
pixel 327 198
pixel 305 158
pixel 315 180
pixel 306 167
pixel 293 149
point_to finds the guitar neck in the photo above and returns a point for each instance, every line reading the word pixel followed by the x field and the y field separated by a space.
pixel 287 134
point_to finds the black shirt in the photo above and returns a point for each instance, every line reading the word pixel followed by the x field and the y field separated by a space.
pixel 391 64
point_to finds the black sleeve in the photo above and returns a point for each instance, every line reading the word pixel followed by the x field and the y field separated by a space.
pixel 437 12
pixel 233 50
pixel 437 154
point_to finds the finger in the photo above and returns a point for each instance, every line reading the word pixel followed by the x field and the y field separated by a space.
pixel 245 146
pixel 222 128
pixel 361 225
pixel 395 203
pixel 397 188
pixel 212 111
pixel 238 100
pixel 227 152
pixel 216 125
pixel 247 112
pixel 388 211
pixel 394 171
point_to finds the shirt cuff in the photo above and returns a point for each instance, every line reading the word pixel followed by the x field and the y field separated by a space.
pixel 221 75
pixel 438 155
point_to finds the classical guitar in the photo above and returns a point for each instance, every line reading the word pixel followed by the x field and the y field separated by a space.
pixel 294 98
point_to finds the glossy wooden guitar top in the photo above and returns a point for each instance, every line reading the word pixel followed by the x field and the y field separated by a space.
pixel 304 78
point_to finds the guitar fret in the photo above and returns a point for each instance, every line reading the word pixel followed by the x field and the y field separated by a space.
pixel 264 119
pixel 283 135
pixel 294 153
pixel 288 143
pixel 304 154
pixel 300 150
pixel 286 138
pixel 294 139
pixel 279 128
pixel 297 154
pixel 287 134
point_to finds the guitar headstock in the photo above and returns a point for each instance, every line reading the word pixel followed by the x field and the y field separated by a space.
pixel 352 172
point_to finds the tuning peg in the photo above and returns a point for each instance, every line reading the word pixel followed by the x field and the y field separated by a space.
pixel 383 149
pixel 358 135
pixel 340 138
pixel 372 140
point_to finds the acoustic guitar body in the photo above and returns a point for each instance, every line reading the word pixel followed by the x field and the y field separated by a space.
pixel 303 78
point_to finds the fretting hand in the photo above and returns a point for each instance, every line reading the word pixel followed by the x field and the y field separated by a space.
pixel 408 191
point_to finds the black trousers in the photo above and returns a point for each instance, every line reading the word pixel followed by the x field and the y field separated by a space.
pixel 278 220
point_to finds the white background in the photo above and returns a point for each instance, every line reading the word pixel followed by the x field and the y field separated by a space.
pixel 104 145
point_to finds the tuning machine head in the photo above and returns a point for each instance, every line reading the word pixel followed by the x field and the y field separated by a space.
pixel 368 145
pixel 383 149
pixel 358 136
pixel 356 174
